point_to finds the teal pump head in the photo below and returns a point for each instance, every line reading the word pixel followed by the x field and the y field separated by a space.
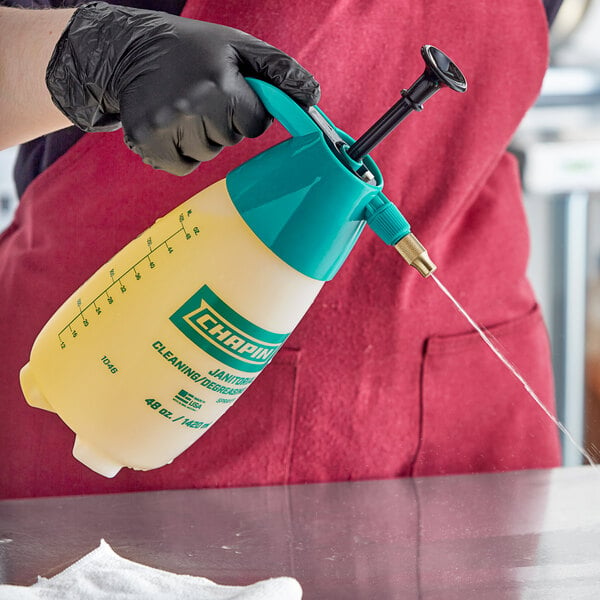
pixel 309 197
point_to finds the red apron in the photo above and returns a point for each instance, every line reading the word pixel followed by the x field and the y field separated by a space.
pixel 382 378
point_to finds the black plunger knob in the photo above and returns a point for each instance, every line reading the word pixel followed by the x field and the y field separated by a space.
pixel 439 72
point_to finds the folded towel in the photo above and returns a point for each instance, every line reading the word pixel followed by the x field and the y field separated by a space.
pixel 104 575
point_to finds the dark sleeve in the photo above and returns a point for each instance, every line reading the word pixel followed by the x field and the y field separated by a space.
pixel 171 6
pixel 40 3
pixel 551 7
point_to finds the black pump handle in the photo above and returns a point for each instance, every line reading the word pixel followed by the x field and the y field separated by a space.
pixel 439 72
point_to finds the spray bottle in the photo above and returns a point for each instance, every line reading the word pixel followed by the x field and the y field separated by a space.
pixel 142 359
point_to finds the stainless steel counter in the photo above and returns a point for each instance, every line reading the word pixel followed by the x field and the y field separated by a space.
pixel 531 534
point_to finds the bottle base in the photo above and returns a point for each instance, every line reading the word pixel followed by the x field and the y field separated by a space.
pixel 95 459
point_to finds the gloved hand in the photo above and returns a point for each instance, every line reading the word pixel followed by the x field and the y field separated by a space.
pixel 175 85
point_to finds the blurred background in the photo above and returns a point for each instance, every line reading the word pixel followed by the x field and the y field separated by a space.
pixel 8 196
pixel 558 146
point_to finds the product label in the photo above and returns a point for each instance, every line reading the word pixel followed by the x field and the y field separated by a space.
pixel 224 334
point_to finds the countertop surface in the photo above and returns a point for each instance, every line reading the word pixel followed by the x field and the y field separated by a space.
pixel 529 534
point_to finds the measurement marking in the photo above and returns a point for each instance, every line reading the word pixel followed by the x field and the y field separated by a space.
pixel 117 280
pixel 181 218
pixel 177 419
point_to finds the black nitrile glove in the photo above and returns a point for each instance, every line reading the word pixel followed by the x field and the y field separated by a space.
pixel 175 85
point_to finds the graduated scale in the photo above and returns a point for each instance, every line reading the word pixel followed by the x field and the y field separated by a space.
pixel 120 281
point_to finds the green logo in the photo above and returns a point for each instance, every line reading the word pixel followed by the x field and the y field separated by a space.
pixel 224 334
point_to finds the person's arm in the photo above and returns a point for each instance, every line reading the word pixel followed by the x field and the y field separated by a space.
pixel 177 86
pixel 27 40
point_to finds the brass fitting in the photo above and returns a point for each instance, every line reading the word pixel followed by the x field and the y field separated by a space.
pixel 413 252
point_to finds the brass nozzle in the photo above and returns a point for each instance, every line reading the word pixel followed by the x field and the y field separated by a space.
pixel 413 252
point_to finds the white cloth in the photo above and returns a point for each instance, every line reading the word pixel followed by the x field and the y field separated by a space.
pixel 104 575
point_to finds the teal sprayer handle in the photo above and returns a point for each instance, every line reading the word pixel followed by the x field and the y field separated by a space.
pixel 303 199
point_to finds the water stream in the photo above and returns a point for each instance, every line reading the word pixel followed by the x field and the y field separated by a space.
pixel 488 341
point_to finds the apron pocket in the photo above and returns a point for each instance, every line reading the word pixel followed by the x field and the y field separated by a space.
pixel 476 416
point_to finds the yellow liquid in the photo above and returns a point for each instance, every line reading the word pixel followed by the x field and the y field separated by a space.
pixel 136 391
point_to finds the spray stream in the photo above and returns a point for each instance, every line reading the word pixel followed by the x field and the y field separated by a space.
pixel 486 338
